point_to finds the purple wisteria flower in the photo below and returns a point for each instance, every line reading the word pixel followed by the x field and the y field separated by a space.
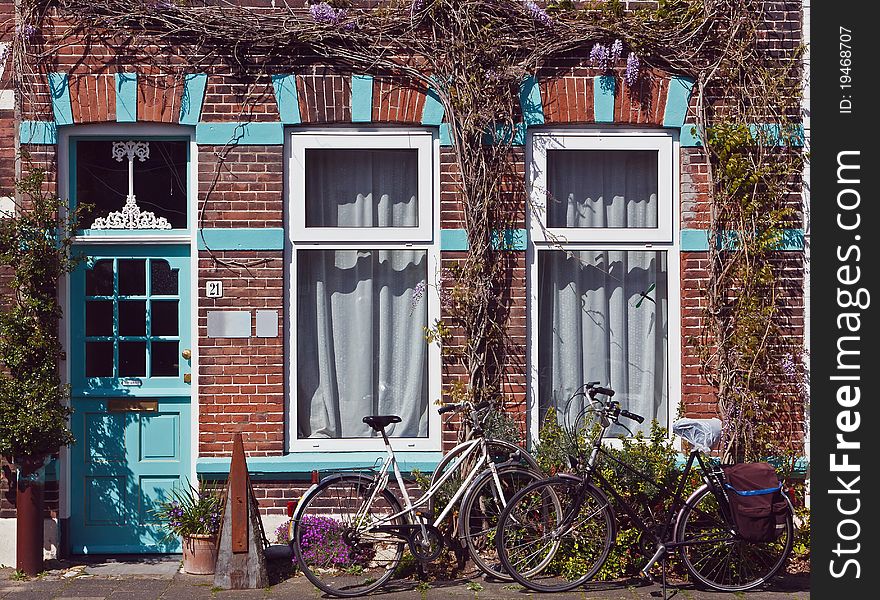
pixel 417 293
pixel 616 51
pixel 416 7
pixel 322 12
pixel 25 31
pixel 633 69
pixel 538 14
pixel 599 56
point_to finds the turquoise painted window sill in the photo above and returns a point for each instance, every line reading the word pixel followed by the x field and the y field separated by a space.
pixel 299 465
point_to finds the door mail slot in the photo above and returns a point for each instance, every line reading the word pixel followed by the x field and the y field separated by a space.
pixel 125 405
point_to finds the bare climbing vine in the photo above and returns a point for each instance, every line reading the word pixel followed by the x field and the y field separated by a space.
pixel 473 56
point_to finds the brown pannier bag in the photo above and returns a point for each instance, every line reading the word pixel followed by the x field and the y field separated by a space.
pixel 756 500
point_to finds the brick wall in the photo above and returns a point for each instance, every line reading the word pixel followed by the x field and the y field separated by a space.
pixel 241 381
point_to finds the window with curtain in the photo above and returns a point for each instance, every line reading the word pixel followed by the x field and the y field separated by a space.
pixel 361 297
pixel 600 301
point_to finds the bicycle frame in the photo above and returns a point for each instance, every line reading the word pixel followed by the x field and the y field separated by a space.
pixel 661 537
pixel 411 506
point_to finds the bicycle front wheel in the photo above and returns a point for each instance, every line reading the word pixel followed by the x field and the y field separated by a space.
pixel 481 511
pixel 719 558
pixel 555 534
pixel 337 542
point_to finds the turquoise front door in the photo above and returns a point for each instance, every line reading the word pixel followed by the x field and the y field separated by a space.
pixel 130 337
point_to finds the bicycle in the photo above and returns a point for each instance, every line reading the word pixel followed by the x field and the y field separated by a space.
pixel 555 534
pixel 349 531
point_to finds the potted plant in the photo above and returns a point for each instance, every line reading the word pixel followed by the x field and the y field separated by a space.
pixel 35 253
pixel 194 515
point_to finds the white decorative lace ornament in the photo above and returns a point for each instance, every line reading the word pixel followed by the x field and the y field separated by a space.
pixel 131 216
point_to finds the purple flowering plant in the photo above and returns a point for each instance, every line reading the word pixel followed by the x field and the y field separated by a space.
pixel 323 542
pixel 191 511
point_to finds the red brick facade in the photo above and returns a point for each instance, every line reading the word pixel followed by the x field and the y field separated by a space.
pixel 241 382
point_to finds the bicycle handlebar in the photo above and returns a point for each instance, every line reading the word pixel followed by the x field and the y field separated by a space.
pixel 453 407
pixel 633 416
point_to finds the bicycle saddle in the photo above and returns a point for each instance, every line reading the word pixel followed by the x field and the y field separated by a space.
pixel 379 422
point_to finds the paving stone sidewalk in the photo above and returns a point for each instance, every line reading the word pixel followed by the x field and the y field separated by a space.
pixel 140 578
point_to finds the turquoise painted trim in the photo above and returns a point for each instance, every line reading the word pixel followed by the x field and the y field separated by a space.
pixel 455 240
pixel 60 93
pixel 361 98
pixel 604 88
pixel 775 134
pixel 511 239
pixel 432 111
pixel 793 136
pixel 697 240
pixel 503 135
pixel 126 97
pixel 270 238
pixel 445 136
pixel 194 86
pixel 801 464
pixel 38 132
pixel 241 134
pixel 678 98
pixel 689 136
pixel 287 99
pixel 530 101
pixel 303 463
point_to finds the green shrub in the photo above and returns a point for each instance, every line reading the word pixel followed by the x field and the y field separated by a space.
pixel 651 454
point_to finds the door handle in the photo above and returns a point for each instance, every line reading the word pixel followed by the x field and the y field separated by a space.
pixel 186 354
pixel 187 378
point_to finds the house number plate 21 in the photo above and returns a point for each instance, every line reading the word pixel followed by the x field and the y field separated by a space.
pixel 214 289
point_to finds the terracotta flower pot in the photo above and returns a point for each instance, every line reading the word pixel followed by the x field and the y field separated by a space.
pixel 199 554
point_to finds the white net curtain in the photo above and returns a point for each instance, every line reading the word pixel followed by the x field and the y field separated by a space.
pixel 602 314
pixel 360 318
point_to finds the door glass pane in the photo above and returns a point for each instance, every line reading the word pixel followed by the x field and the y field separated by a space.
pixel 163 279
pixel 99 279
pixel 163 317
pixel 132 317
pixel 163 359
pixel 99 317
pixel 159 181
pixel 99 359
pixel 132 277
pixel 362 188
pixel 132 359
pixel 602 188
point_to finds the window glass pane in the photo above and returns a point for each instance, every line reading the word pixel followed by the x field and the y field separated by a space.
pixel 132 359
pixel 132 317
pixel 602 188
pixel 360 342
pixel 163 317
pixel 602 316
pixel 132 277
pixel 99 279
pixel 163 279
pixel 99 359
pixel 159 181
pixel 99 317
pixel 163 359
pixel 362 188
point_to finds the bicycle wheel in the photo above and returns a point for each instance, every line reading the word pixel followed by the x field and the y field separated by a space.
pixel 717 557
pixel 481 509
pixel 555 534
pixel 334 541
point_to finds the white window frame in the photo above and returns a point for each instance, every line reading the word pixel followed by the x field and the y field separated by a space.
pixel 363 238
pixel 666 142
pixel 660 142
pixel 363 140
